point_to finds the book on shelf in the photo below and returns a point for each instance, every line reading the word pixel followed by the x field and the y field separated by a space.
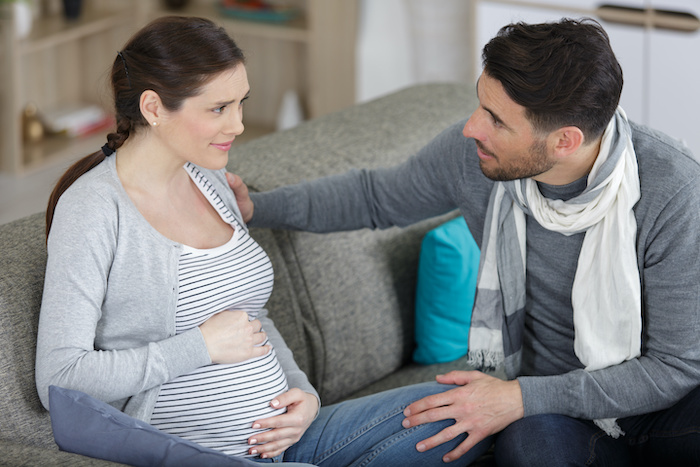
pixel 77 120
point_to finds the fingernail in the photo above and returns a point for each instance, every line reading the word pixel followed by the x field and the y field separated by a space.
pixel 253 441
pixel 420 447
pixel 446 459
pixel 406 423
pixel 256 426
pixel 275 403
pixel 254 451
pixel 407 412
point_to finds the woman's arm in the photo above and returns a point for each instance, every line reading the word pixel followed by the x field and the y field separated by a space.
pixel 102 327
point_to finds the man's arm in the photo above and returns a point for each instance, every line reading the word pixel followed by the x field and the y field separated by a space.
pixel 424 186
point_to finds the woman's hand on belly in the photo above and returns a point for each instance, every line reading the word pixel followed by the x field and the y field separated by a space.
pixel 231 338
pixel 285 429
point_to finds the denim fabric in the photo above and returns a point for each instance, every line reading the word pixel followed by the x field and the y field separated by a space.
pixel 666 437
pixel 368 431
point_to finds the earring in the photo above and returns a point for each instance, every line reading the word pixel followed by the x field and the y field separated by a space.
pixel 155 123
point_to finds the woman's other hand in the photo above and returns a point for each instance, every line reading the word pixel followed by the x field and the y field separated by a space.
pixel 231 338
pixel 285 429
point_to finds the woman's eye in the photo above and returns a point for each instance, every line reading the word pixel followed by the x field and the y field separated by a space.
pixel 220 109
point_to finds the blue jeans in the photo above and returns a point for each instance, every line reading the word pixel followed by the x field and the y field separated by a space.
pixel 666 437
pixel 368 432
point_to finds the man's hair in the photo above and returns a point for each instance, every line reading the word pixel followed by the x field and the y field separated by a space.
pixel 563 73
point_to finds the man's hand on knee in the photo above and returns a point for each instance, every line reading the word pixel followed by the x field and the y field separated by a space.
pixel 482 406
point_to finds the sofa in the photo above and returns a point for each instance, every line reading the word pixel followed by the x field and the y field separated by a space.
pixel 343 301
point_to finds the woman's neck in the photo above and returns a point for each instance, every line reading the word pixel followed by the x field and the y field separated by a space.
pixel 142 164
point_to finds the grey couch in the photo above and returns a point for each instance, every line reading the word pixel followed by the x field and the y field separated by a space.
pixel 343 301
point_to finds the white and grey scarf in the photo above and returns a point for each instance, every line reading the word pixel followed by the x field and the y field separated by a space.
pixel 606 295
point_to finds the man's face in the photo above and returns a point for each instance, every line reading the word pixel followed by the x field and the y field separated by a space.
pixel 507 147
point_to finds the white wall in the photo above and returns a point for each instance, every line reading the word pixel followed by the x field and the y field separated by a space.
pixel 405 42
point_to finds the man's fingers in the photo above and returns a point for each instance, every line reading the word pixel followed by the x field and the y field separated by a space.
pixel 234 181
pixel 430 402
pixel 461 449
pixel 429 416
pixel 447 434
pixel 460 378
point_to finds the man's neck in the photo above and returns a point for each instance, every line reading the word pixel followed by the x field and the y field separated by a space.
pixel 576 166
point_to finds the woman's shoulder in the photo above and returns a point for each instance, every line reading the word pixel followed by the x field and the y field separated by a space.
pixel 93 196
pixel 101 181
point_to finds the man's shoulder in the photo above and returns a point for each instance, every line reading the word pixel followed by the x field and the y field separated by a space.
pixel 661 157
pixel 656 145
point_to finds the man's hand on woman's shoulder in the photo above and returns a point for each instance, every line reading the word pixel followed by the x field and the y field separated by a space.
pixel 240 190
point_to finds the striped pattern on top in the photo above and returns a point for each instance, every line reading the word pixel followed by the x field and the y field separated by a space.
pixel 216 405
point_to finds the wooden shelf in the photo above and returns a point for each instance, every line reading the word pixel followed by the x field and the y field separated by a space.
pixel 59 62
pixel 56 149
pixel 295 30
pixel 56 30
pixel 62 62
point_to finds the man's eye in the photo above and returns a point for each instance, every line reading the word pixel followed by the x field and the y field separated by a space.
pixel 220 109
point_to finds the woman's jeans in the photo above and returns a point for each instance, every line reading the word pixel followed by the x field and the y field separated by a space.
pixel 668 437
pixel 368 431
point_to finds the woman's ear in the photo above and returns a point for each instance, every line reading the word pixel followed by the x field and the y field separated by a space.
pixel 151 107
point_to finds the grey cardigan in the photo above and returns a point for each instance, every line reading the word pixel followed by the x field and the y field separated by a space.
pixel 445 175
pixel 107 322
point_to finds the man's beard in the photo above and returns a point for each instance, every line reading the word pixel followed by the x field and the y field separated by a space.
pixel 536 163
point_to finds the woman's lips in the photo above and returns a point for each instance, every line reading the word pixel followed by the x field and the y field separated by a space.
pixel 223 146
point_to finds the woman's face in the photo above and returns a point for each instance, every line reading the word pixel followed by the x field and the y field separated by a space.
pixel 204 128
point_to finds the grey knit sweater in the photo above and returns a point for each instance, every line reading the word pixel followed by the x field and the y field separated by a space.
pixel 445 175
pixel 107 322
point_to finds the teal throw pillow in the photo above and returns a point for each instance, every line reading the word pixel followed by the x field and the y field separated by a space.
pixel 447 271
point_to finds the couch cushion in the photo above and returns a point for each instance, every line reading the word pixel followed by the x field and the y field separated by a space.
pixel 14 454
pixel 22 264
pixel 357 288
pixel 447 271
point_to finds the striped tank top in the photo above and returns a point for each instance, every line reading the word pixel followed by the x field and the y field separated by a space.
pixel 216 405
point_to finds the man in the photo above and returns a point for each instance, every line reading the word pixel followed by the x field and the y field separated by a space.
pixel 588 292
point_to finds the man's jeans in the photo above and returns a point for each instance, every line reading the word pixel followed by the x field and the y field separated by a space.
pixel 368 431
pixel 667 437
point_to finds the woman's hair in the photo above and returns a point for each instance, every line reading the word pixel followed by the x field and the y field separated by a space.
pixel 563 73
pixel 175 57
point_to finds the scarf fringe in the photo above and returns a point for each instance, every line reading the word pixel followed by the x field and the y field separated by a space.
pixel 610 426
pixel 485 360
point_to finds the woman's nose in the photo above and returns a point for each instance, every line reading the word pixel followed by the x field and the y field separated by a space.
pixel 235 125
